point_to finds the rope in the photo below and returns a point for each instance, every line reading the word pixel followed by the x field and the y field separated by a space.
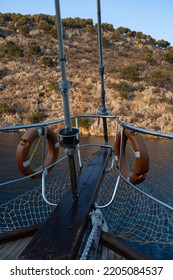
pixel 35 149
pixel 91 247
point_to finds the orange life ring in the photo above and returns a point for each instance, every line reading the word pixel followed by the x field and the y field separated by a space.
pixel 24 146
pixel 141 168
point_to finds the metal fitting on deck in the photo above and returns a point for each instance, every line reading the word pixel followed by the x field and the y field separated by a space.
pixel 69 140
pixel 64 85
pixel 104 111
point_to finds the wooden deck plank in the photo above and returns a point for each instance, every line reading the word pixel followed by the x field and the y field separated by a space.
pixel 20 247
pixel 19 233
pixel 60 236
pixel 4 247
pixel 11 250
pixel 121 248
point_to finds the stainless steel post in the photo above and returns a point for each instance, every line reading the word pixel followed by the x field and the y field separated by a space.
pixel 68 134
pixel 64 84
pixel 103 108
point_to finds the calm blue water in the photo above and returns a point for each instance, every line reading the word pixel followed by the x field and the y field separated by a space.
pixel 159 181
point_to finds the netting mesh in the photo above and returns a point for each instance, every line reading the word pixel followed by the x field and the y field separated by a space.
pixel 30 208
pixel 136 218
pixel 133 216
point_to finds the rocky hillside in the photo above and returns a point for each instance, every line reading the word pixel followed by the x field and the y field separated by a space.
pixel 138 72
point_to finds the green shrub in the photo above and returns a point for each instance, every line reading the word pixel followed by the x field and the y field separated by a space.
pixel 11 26
pixel 4 18
pixel 24 30
pixel 162 44
pixel 163 99
pixel 36 117
pixel 33 48
pixel 119 32
pixel 106 42
pixel 11 49
pixel 46 61
pixel 83 122
pixel 168 57
pixel 129 72
pixel 89 28
pixel 44 25
pixel 148 57
pixel 54 85
pixel 159 77
pixel 53 32
pixel 107 27
pixel 4 108
pixel 125 90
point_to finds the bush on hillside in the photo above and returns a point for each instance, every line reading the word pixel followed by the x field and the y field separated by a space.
pixel 125 90
pixel 46 61
pixel 84 122
pixel 106 42
pixel 89 28
pixel 24 30
pixel 4 108
pixel 129 72
pixel 33 48
pixel 44 25
pixel 162 44
pixel 36 117
pixel 148 57
pixel 168 57
pixel 53 32
pixel 11 49
pixel 159 77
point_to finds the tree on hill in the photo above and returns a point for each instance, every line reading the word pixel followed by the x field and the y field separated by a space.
pixel 129 72
pixel 76 22
pixel 107 27
pixel 120 31
pixel 11 49
pixel 140 35
pixel 159 77
pixel 5 18
pixel 168 57
pixel 162 44
pixel 33 48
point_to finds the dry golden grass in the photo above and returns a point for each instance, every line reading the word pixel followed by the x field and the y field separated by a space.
pixel 28 87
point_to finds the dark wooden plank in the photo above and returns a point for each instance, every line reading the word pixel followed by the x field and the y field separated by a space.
pixel 61 235
pixel 121 248
pixel 12 249
pixel 19 233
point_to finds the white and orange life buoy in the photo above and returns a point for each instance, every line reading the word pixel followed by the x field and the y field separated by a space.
pixel 141 155
pixel 24 146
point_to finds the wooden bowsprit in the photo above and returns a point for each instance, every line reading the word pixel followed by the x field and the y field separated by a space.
pixel 61 235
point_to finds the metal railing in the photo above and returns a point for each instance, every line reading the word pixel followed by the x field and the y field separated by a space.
pixel 120 124
pixel 45 125
pixel 146 131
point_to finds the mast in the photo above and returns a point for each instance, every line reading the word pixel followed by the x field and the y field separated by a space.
pixel 64 84
pixel 103 109
pixel 68 133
